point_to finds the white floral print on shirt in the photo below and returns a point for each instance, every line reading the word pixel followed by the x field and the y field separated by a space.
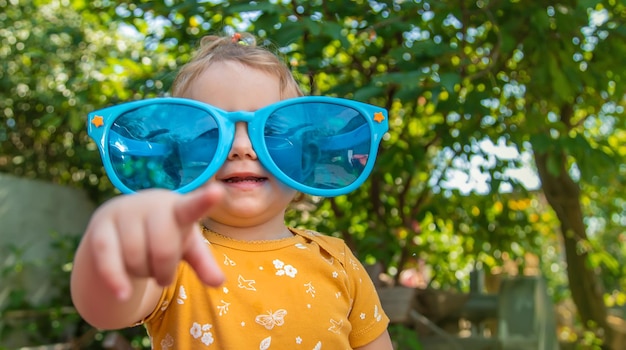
pixel 182 295
pixel 284 270
pixel 167 342
pixel 202 332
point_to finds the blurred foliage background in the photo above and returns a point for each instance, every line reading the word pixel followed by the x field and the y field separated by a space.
pixel 507 133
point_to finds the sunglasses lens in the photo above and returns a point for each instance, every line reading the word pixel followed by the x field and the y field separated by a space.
pixel 164 145
pixel 320 145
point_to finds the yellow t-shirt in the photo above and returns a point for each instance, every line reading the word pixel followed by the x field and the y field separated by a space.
pixel 303 292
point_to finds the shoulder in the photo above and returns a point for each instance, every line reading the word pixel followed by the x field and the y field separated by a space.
pixel 334 246
pixel 321 238
pixel 317 236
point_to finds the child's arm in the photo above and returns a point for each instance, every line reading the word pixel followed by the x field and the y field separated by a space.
pixel 131 249
pixel 383 342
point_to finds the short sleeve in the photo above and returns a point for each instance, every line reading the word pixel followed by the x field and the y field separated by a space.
pixel 367 317
pixel 167 296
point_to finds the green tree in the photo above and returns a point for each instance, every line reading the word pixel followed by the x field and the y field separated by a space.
pixel 542 77
pixel 57 63
pixel 535 75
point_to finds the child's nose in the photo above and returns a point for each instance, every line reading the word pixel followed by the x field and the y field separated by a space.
pixel 242 147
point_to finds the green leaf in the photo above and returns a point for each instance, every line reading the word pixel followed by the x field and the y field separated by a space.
pixel 449 80
pixel 289 33
pixel 253 6
pixel 561 86
pixel 333 30
pixel 554 164
pixel 367 92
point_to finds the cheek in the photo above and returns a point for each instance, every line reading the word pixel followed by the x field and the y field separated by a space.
pixel 286 191
pixel 211 182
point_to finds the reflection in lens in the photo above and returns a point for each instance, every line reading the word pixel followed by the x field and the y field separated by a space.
pixel 163 145
pixel 320 145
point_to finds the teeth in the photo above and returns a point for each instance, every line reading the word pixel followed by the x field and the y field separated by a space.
pixel 241 179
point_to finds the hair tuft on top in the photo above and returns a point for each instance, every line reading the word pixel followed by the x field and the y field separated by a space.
pixel 242 48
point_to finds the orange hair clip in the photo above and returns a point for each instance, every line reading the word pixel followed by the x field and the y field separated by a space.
pixel 236 38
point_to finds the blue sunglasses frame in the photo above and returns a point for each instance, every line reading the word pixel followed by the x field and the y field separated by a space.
pixel 100 123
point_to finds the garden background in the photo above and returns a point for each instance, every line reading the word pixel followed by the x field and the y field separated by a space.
pixel 505 152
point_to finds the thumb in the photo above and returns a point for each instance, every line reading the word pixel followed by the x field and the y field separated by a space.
pixel 195 205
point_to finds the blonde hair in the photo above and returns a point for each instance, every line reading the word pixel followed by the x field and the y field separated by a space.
pixel 242 48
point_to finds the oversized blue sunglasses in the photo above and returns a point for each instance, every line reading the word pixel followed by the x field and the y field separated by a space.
pixel 322 146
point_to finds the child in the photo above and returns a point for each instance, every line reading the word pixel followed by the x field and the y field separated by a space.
pixel 200 254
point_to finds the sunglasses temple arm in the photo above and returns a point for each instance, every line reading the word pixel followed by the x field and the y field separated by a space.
pixel 136 148
pixel 347 140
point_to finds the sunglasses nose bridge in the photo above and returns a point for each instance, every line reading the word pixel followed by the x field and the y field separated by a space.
pixel 240 116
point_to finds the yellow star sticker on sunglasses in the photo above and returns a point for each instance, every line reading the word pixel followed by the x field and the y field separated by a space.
pixel 97 121
pixel 379 117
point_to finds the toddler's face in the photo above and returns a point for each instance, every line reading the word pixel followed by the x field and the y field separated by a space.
pixel 252 193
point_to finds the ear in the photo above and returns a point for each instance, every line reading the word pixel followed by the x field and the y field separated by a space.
pixel 298 198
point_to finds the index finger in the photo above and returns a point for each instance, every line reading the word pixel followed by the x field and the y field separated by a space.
pixel 195 205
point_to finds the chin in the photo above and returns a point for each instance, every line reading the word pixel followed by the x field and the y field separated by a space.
pixel 245 212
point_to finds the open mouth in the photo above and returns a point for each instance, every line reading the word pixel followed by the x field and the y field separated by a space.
pixel 238 179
